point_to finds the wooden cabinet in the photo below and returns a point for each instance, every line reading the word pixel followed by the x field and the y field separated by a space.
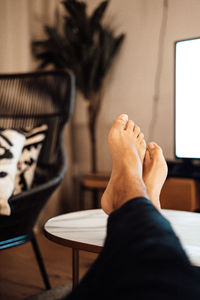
pixel 181 194
pixel 177 193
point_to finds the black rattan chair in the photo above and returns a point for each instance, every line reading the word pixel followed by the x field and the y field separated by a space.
pixel 30 100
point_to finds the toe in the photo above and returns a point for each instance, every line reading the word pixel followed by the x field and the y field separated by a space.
pixel 154 150
pixel 147 156
pixel 153 146
pixel 142 149
pixel 121 121
pixel 143 144
pixel 157 157
pixel 136 131
pixel 140 137
pixel 129 126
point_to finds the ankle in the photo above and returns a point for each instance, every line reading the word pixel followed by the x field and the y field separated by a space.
pixel 129 190
pixel 154 196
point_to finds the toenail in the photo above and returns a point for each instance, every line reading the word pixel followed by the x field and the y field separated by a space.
pixel 151 146
pixel 124 117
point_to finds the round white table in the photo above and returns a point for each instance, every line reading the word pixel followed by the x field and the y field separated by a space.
pixel 86 230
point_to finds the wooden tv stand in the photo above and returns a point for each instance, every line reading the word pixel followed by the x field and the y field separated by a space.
pixel 181 190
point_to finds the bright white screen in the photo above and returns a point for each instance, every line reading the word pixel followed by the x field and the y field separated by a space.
pixel 187 99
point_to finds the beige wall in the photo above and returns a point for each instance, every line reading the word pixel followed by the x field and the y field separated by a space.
pixel 131 85
pixel 20 22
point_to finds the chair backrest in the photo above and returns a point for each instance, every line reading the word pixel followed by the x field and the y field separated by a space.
pixel 32 99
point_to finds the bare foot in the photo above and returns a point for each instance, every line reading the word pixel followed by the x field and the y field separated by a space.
pixel 127 148
pixel 154 172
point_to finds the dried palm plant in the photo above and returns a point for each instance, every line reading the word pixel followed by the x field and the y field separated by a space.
pixel 88 48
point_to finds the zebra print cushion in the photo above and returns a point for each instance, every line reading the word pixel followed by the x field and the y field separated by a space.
pixel 11 145
pixel 19 152
pixel 28 160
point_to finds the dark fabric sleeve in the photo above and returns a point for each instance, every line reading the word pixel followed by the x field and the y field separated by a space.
pixel 142 259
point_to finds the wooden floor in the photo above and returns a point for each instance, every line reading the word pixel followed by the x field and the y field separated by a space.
pixel 19 273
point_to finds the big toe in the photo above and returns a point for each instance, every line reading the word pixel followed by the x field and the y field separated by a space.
pixel 157 157
pixel 154 151
pixel 120 122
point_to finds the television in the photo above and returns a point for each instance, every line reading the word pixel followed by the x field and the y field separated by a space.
pixel 187 100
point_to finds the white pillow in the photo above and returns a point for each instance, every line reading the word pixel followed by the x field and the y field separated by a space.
pixel 28 160
pixel 11 145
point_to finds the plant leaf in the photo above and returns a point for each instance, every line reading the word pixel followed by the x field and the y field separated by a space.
pixel 85 46
pixel 98 15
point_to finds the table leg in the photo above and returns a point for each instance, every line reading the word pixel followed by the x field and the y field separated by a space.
pixel 75 267
pixel 95 198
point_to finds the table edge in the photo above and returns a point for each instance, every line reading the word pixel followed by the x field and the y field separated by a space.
pixel 72 244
